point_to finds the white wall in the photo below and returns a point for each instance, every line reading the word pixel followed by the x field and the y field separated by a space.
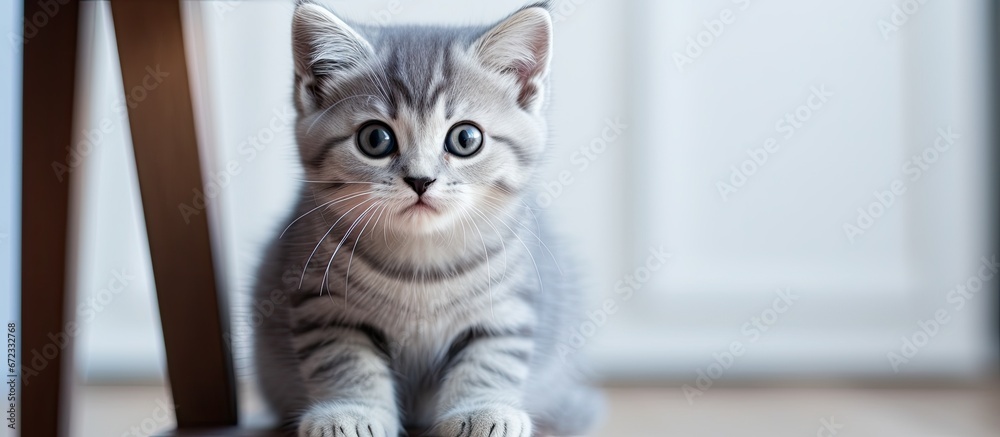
pixel 784 227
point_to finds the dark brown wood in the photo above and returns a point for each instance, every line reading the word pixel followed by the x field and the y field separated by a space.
pixel 49 55
pixel 161 117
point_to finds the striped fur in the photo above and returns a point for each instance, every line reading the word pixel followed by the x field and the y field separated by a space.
pixel 405 317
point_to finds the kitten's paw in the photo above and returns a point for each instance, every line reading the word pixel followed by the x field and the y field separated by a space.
pixel 486 421
pixel 347 420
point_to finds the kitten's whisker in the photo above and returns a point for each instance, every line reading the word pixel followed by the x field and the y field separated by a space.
pixel 382 86
pixel 369 71
pixel 347 276
pixel 337 200
pixel 542 243
pixel 335 182
pixel 392 230
pixel 377 79
pixel 320 243
pixel 502 245
pixel 465 243
pixel 451 236
pixel 385 205
pixel 513 194
pixel 541 285
pixel 522 203
pixel 388 222
pixel 320 116
pixel 301 216
pixel 489 274
pixel 326 273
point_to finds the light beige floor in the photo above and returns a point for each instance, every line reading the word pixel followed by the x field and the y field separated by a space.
pixel 773 412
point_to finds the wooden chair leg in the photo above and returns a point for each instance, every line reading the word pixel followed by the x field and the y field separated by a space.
pixel 49 47
pixel 161 117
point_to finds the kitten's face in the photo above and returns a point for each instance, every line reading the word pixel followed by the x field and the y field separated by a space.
pixel 420 129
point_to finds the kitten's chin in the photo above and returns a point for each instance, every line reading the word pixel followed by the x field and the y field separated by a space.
pixel 423 217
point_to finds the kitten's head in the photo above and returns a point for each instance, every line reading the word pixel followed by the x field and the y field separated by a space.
pixel 429 126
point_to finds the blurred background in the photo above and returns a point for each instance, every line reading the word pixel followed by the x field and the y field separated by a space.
pixel 821 174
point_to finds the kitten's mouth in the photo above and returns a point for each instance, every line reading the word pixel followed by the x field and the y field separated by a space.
pixel 421 205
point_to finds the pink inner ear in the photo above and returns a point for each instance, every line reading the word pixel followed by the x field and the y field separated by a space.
pixel 528 92
pixel 527 70
pixel 539 51
pixel 519 46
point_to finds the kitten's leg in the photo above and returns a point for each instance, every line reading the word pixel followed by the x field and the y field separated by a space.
pixel 350 385
pixel 482 391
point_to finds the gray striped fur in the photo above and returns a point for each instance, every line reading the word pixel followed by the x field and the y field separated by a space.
pixel 395 317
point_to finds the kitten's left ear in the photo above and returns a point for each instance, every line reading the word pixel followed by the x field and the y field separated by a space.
pixel 325 48
pixel 520 45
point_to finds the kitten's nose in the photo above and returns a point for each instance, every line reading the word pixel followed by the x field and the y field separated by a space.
pixel 419 185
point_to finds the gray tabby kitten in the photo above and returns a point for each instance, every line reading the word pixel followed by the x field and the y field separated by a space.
pixel 419 293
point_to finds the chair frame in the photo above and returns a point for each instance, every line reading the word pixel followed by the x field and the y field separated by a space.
pixel 192 311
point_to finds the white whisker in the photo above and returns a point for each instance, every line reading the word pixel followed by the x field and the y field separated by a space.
pixel 502 245
pixel 326 273
pixel 318 244
pixel 347 275
pixel 320 116
pixel 337 200
pixel 489 275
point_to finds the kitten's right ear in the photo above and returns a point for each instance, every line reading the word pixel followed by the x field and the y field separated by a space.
pixel 323 46
pixel 520 46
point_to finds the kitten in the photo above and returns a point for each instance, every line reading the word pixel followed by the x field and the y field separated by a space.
pixel 420 294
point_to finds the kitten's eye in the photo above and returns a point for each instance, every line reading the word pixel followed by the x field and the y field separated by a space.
pixel 464 140
pixel 376 140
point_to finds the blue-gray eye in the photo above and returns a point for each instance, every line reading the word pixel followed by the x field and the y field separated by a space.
pixel 464 140
pixel 376 140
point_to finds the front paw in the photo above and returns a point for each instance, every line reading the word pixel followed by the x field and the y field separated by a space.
pixel 344 419
pixel 485 421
